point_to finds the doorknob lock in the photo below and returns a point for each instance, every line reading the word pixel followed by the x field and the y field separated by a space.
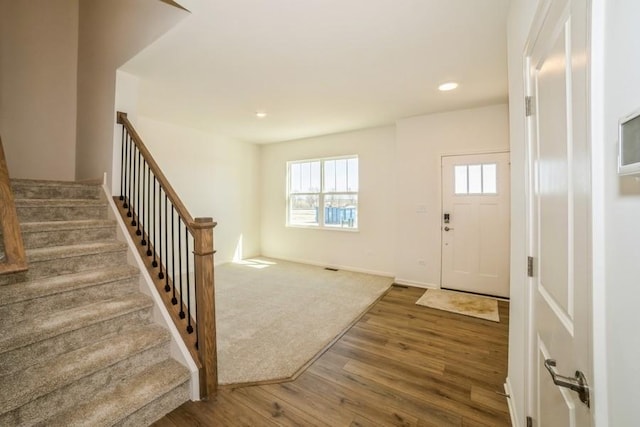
pixel 577 384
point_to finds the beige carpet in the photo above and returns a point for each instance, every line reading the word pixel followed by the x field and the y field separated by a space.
pixel 461 303
pixel 274 316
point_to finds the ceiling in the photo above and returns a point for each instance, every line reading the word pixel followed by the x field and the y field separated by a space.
pixel 322 66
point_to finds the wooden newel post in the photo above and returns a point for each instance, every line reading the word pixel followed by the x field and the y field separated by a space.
pixel 206 315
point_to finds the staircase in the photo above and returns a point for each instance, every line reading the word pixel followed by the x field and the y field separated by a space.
pixel 77 343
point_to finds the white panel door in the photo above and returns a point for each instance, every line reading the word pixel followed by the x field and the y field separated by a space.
pixel 475 223
pixel 559 212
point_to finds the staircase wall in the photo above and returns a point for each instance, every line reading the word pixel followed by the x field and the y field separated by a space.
pixel 110 33
pixel 38 70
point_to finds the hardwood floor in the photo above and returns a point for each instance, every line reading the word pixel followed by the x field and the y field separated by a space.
pixel 400 365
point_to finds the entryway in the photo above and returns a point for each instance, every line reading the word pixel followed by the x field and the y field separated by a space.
pixel 475 223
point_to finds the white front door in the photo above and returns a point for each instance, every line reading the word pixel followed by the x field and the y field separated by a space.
pixel 475 223
pixel 559 212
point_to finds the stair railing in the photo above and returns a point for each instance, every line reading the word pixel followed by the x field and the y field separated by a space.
pixel 177 249
pixel 14 258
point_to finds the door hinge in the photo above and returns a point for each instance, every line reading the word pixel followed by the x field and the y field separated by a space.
pixel 529 422
pixel 530 266
pixel 528 106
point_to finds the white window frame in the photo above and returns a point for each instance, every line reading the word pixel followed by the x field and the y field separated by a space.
pixel 321 195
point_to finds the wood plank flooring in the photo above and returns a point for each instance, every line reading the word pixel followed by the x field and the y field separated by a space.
pixel 400 365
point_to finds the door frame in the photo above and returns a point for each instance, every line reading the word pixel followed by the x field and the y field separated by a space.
pixel 499 150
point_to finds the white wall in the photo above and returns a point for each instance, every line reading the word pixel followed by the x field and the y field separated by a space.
pixel 621 214
pixel 400 194
pixel 126 101
pixel 420 143
pixel 38 63
pixel 371 248
pixel 521 15
pixel 110 33
pixel 215 177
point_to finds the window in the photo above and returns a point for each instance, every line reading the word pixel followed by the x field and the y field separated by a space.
pixel 476 179
pixel 323 193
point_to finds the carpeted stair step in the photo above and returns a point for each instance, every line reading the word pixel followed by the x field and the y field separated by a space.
pixel 39 297
pixel 77 343
pixel 66 381
pixel 34 189
pixel 37 210
pixel 136 401
pixel 56 260
pixel 58 233
pixel 58 325
pixel 19 358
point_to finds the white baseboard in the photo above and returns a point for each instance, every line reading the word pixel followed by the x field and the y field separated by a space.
pixel 397 280
pixel 415 284
pixel 512 408
pixel 339 267
pixel 160 314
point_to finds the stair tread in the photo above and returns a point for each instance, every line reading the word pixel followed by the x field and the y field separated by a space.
pixel 53 183
pixel 31 330
pixel 24 291
pixel 58 202
pixel 128 397
pixel 66 251
pixel 37 226
pixel 51 374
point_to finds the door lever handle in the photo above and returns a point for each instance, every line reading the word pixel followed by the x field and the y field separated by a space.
pixel 447 228
pixel 577 384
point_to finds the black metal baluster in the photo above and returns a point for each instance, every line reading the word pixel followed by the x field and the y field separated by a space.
pixel 141 219
pixel 148 210
pixel 195 301
pixel 155 224
pixel 180 268
pixel 164 275
pixel 186 251
pixel 137 213
pixel 127 173
pixel 130 176
pixel 174 300
pixel 122 166
pixel 134 213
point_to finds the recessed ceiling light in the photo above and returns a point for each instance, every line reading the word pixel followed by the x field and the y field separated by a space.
pixel 445 87
pixel 261 114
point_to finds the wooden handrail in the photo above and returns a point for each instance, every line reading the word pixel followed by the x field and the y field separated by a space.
pixel 15 258
pixel 202 345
